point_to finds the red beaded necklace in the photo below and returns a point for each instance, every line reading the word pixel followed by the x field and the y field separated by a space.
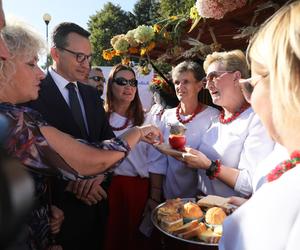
pixel 197 110
pixel 284 166
pixel 234 116
pixel 122 127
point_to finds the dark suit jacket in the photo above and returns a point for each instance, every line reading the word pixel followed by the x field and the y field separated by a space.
pixel 83 224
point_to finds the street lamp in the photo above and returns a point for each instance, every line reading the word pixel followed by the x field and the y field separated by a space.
pixel 47 19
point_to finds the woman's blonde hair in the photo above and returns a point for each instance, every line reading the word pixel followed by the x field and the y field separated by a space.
pixel 276 47
pixel 234 60
pixel 22 42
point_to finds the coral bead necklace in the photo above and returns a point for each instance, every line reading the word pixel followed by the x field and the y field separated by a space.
pixel 284 166
pixel 234 116
pixel 197 110
pixel 120 128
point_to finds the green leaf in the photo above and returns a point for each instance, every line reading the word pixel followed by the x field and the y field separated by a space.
pixel 195 24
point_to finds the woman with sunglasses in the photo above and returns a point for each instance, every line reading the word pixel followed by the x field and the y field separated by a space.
pixel 129 189
pixel 44 150
pixel 270 219
pixel 232 147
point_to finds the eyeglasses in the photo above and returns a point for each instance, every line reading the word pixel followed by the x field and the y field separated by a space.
pixel 123 82
pixel 212 76
pixel 247 85
pixel 80 57
pixel 97 78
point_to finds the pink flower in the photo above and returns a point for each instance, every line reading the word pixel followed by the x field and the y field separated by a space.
pixel 217 8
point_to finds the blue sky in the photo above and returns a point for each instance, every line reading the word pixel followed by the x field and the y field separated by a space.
pixel 77 11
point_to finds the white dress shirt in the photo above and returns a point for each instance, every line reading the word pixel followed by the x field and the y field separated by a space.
pixel 180 180
pixel 61 83
pixel 269 220
pixel 278 155
pixel 137 161
pixel 241 144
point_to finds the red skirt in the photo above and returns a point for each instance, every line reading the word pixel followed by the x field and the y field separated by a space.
pixel 127 197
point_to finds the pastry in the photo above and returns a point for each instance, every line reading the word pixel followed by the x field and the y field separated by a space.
pixel 215 216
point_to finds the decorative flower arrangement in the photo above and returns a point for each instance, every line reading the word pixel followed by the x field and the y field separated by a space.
pixel 138 41
pixel 158 83
pixel 144 34
pixel 217 8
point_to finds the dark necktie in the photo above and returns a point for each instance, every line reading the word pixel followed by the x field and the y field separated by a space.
pixel 76 109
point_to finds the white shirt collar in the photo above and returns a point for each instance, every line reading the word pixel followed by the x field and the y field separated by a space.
pixel 59 80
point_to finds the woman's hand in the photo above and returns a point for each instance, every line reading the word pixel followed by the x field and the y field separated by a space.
pixel 237 201
pixel 195 159
pixel 150 134
pixel 56 219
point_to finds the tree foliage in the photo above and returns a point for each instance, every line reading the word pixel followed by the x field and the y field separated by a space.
pixel 175 7
pixel 105 24
pixel 146 12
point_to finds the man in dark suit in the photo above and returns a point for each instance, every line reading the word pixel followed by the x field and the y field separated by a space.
pixel 74 108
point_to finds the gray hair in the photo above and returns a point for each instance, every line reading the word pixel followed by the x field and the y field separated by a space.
pixel 22 42
pixel 191 66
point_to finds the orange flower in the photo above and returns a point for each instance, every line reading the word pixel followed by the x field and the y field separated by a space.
pixel 133 50
pixel 118 52
pixel 125 61
pixel 107 55
pixel 151 46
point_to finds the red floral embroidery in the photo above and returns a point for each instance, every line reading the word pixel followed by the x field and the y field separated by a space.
pixel 284 166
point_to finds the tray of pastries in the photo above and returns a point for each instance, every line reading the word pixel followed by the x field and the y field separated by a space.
pixel 190 221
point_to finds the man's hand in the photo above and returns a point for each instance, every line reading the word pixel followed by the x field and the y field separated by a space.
pixel 89 191
pixel 57 218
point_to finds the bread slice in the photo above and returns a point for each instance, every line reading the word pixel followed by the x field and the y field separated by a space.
pixel 209 236
pixel 186 227
pixel 171 222
pixel 214 201
pixel 194 232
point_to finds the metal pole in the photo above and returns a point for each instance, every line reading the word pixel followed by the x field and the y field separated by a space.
pixel 47 59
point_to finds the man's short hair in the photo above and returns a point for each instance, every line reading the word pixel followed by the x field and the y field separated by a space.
pixel 62 30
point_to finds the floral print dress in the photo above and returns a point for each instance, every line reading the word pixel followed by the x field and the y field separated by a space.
pixel 25 142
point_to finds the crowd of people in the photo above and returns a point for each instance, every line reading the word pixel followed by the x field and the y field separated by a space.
pixel 92 160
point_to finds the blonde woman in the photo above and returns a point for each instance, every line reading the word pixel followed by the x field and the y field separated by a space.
pixel 236 141
pixel 270 219
pixel 44 150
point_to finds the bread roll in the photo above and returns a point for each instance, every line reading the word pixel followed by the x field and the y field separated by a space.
pixel 191 211
pixel 215 216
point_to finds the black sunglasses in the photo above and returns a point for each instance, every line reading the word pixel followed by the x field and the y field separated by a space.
pixel 97 78
pixel 80 57
pixel 123 82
